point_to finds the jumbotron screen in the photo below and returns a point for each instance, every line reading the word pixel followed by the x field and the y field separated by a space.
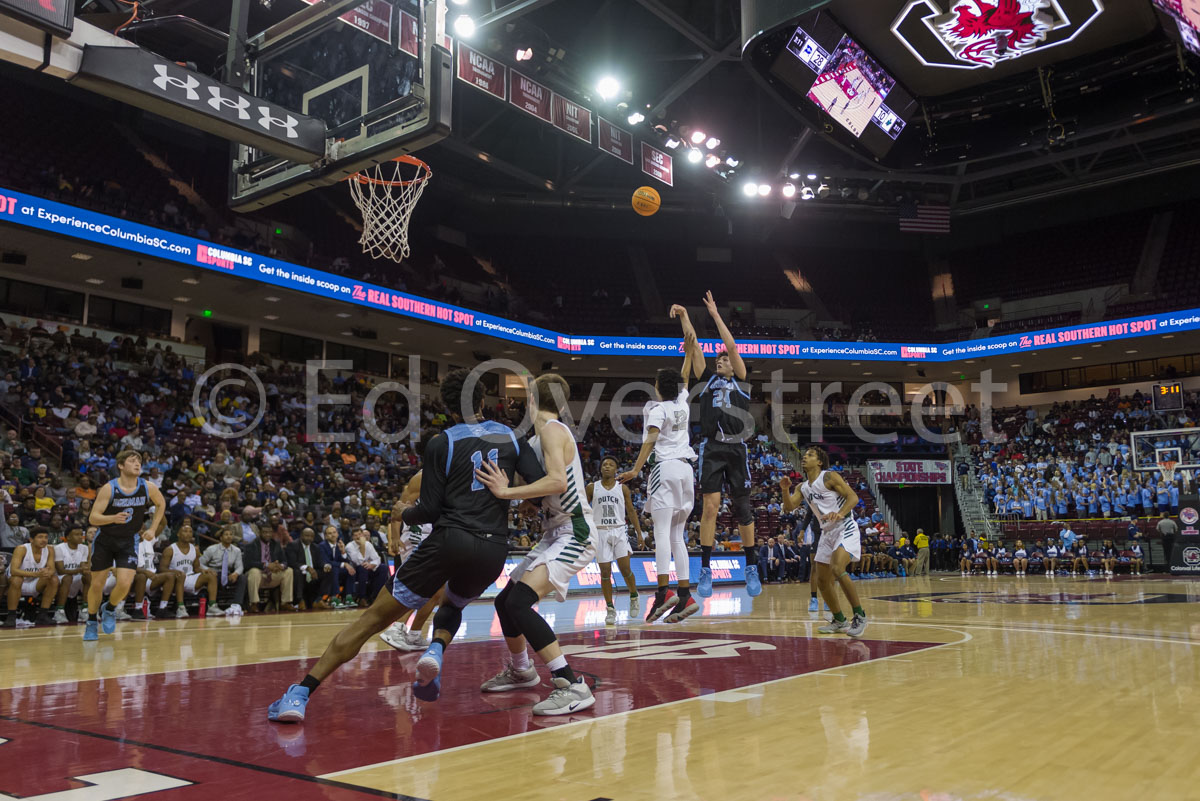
pixel 822 62
pixel 1182 18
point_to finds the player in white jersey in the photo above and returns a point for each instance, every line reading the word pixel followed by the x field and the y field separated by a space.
pixel 147 579
pixel 402 542
pixel 833 502
pixel 31 574
pixel 612 511
pixel 72 563
pixel 566 547
pixel 670 491
pixel 182 559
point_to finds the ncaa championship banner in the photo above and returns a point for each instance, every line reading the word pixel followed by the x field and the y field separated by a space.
pixel 910 471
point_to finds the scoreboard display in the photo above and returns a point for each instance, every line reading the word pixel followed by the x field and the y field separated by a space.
pixel 52 16
pixel 1168 397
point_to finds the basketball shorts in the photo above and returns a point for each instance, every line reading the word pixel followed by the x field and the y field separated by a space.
pixel 671 486
pixel 29 587
pixel 564 551
pixel 466 562
pixel 109 551
pixel 612 544
pixel 724 463
pixel 843 535
pixel 76 586
pixel 189 583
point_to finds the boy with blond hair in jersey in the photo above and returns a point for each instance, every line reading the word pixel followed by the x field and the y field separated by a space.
pixel 833 502
pixel 567 546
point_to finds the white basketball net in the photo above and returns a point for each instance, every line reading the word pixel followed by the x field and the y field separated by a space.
pixel 386 194
pixel 1168 470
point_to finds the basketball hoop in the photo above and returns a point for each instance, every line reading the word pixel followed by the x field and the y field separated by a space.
pixel 1168 470
pixel 386 194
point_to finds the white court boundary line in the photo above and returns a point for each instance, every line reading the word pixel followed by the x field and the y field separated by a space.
pixel 966 637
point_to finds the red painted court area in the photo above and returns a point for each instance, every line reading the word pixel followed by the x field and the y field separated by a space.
pixel 209 727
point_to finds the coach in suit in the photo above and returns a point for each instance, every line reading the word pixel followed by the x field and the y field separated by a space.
pixel 333 552
pixel 775 555
pixel 265 568
pixel 307 564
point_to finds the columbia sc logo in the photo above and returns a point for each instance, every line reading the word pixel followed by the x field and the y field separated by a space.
pixel 974 34
pixel 1191 556
pixel 220 102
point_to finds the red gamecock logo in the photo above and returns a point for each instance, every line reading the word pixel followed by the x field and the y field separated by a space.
pixel 986 34
pixel 979 34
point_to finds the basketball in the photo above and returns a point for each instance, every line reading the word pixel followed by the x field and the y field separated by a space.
pixel 646 201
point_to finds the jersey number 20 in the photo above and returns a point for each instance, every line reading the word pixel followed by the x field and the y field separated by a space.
pixel 477 460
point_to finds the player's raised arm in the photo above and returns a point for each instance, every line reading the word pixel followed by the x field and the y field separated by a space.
pixel 791 500
pixel 735 358
pixel 691 344
pixel 652 433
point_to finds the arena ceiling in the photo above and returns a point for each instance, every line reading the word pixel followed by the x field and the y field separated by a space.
pixel 1104 109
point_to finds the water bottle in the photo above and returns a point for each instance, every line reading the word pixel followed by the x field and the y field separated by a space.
pixel 146 608
pixel 203 606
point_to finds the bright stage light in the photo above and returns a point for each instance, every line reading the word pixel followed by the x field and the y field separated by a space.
pixel 464 26
pixel 608 87
pixel 698 137
pixel 789 190
pixel 636 117
pixel 712 143
pixel 712 161
pixel 694 156
pixel 764 190
pixel 750 189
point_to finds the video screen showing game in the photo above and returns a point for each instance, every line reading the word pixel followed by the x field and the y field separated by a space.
pixel 1181 20
pixel 823 63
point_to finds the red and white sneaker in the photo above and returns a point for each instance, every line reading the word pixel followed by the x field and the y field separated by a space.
pixel 688 609
pixel 657 611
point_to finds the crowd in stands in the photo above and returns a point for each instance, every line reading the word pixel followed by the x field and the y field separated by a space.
pixel 1074 460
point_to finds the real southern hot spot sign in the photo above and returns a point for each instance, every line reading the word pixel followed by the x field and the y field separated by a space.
pixel 910 471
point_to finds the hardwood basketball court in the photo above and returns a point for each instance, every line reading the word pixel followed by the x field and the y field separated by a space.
pixel 961 689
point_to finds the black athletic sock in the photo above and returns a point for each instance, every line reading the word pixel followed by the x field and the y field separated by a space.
pixel 751 555
pixel 685 595
pixel 310 684
pixel 89 618
pixel 564 672
pixel 814 595
pixel 705 555
pixel 660 595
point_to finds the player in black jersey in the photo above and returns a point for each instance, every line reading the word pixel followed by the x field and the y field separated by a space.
pixel 465 552
pixel 725 426
pixel 120 513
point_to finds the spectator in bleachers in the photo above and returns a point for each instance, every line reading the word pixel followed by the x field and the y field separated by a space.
pixel 337 572
pixel 311 579
pixel 265 570
pixel 370 574
pixel 1054 552
pixel 966 559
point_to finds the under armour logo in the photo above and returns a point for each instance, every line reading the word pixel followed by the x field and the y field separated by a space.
pixel 165 79
pixel 267 121
pixel 219 101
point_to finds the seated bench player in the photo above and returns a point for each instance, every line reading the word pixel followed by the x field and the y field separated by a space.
pixel 31 575
pixel 72 563
pixel 148 579
pixel 182 558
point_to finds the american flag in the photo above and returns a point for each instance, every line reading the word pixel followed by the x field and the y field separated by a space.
pixel 926 218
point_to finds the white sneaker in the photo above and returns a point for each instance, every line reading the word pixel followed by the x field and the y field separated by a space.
pixel 566 698
pixel 215 611
pixel 512 679
pixel 635 608
pixel 835 627
pixel 610 617
pixel 60 617
pixel 22 623
pixel 181 613
pixel 121 614
pixel 234 610
pixel 858 624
